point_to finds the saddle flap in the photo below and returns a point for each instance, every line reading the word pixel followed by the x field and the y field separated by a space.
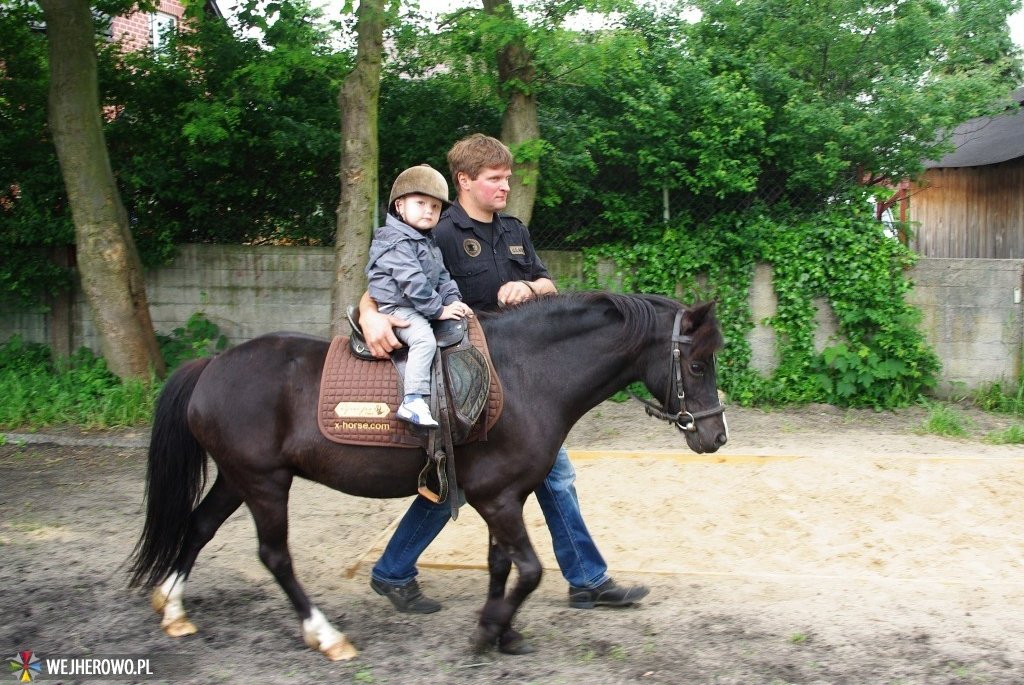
pixel 468 378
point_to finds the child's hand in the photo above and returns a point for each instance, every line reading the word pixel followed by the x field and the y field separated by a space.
pixel 455 310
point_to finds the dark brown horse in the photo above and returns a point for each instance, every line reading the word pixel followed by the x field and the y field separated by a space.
pixel 253 409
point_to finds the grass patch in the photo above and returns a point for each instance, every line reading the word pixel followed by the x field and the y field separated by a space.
pixel 40 391
pixel 1002 398
pixel 1014 435
pixel 945 421
pixel 80 390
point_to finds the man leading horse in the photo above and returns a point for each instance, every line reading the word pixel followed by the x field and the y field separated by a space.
pixel 491 258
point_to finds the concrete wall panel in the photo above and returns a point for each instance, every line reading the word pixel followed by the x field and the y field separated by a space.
pixel 972 313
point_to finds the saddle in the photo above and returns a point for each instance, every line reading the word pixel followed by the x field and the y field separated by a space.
pixel 360 394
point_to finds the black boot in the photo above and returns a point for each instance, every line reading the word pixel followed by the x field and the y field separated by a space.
pixel 607 594
pixel 407 598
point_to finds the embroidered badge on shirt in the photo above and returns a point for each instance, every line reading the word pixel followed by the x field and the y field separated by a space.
pixel 472 247
pixel 516 249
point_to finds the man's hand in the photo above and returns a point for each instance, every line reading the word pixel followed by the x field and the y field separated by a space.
pixel 377 330
pixel 514 292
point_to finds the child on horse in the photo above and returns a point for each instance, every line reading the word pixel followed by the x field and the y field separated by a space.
pixel 408 279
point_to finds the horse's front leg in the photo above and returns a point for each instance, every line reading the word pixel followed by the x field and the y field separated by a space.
pixel 509 544
pixel 499 566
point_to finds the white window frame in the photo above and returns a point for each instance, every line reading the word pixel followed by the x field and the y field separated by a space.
pixel 161 25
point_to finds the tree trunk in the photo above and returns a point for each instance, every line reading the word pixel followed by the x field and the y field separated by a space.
pixel 520 128
pixel 358 101
pixel 108 262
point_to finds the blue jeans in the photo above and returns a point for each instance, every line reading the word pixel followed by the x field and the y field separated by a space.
pixel 578 557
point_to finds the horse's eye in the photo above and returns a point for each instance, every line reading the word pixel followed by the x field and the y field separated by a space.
pixel 696 368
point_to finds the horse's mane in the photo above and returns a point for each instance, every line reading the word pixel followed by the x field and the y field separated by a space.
pixel 639 313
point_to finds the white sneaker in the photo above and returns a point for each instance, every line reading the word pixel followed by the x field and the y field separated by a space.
pixel 417 412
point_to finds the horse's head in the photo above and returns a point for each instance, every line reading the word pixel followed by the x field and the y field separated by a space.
pixel 680 373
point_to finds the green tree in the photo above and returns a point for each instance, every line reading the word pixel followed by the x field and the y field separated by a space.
pixel 227 137
pixel 765 101
pixel 357 101
pixel 501 51
pixel 34 214
pixel 108 262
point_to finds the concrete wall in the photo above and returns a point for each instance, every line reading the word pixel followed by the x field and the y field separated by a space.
pixel 972 314
pixel 245 290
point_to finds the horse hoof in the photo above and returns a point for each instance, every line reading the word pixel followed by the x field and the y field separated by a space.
pixel 340 651
pixel 180 627
pixel 512 642
pixel 319 634
pixel 484 640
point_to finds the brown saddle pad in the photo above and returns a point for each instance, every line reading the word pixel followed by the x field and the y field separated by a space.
pixel 359 399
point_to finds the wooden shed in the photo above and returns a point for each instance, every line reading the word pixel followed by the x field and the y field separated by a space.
pixel 970 203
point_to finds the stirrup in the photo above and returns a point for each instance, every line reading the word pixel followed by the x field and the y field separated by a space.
pixel 437 462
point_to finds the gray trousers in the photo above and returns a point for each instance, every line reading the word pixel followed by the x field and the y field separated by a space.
pixel 419 338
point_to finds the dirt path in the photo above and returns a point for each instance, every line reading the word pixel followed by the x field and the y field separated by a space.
pixel 819 547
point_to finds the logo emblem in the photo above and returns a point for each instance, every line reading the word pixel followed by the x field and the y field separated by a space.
pixel 362 410
pixel 472 247
pixel 25 666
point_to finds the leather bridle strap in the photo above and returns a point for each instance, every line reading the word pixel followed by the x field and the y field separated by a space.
pixel 683 420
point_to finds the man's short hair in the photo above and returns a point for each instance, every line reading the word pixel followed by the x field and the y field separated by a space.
pixel 477 152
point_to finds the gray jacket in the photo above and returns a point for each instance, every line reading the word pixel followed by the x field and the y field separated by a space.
pixel 406 269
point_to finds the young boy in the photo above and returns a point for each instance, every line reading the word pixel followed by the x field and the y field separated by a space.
pixel 408 279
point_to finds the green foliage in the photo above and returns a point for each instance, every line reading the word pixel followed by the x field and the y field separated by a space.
pixel 224 138
pixel 199 337
pixel 997 397
pixel 944 420
pixel 763 101
pixel 406 108
pixel 841 254
pixel 80 390
pixel 34 215
pixel 866 83
pixel 1014 435
pixel 216 138
pixel 40 392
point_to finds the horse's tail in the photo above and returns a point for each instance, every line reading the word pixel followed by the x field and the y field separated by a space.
pixel 175 479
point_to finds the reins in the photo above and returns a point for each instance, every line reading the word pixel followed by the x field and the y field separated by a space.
pixel 683 420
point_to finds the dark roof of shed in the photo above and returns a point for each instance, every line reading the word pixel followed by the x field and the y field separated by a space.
pixel 986 140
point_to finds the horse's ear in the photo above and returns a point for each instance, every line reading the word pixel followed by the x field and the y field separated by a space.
pixel 695 316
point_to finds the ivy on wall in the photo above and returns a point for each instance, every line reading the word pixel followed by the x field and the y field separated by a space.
pixel 879 359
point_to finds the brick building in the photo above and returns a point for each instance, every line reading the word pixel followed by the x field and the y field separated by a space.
pixel 149 29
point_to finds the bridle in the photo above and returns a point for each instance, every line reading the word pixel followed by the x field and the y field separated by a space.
pixel 683 420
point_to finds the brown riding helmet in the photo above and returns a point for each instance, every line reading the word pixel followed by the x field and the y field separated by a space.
pixel 422 180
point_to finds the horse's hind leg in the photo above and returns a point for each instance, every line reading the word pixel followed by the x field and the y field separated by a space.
pixel 218 504
pixel 270 511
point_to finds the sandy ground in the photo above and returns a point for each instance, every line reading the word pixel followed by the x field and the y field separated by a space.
pixel 820 546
